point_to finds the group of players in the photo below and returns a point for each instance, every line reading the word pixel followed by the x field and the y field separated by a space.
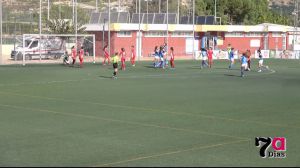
pixel 161 59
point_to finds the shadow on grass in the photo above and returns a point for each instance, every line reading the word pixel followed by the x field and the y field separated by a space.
pixel 231 75
pixel 105 77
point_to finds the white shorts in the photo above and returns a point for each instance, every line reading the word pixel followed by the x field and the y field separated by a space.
pixel 245 66
pixel 231 59
pixel 260 62
pixel 156 57
pixel 204 58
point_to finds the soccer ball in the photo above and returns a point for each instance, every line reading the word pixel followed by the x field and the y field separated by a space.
pixel 267 67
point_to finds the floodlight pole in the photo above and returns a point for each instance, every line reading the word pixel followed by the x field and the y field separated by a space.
pixel 40 31
pixel 193 28
pixel 178 8
pixel 96 5
pixel 109 27
pixel 159 6
pixel 73 8
pixel 103 37
pixel 139 35
pixel 167 49
pixel 59 12
pixel 215 11
pixel 48 14
pixel 1 56
pixel 76 26
pixel 136 6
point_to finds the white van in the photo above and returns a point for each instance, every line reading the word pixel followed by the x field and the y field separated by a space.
pixel 52 48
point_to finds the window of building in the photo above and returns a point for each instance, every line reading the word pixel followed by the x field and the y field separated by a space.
pixel 234 34
pixel 155 34
pixel 253 34
pixel 276 34
pixel 182 34
pixel 124 34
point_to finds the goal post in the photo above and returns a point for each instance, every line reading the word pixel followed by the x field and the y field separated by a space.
pixel 51 48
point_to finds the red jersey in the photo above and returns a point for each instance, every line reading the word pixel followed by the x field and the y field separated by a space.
pixel 123 55
pixel 106 53
pixel 132 53
pixel 210 54
pixel 172 56
pixel 81 52
pixel 74 53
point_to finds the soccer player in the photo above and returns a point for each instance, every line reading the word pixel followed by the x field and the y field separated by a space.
pixel 132 59
pixel 161 57
pixel 81 52
pixel 123 59
pixel 231 58
pixel 248 54
pixel 210 57
pixel 156 57
pixel 261 61
pixel 204 58
pixel 229 50
pixel 74 55
pixel 106 55
pixel 66 58
pixel 115 61
pixel 165 55
pixel 244 64
pixel 172 58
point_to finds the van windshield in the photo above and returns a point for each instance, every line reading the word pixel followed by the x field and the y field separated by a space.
pixel 27 42
pixel 34 44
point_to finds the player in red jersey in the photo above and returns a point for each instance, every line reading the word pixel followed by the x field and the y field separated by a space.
pixel 106 55
pixel 172 58
pixel 74 55
pixel 210 57
pixel 81 52
pixel 132 59
pixel 123 59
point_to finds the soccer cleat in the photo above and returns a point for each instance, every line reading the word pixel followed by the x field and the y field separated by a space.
pixel 259 71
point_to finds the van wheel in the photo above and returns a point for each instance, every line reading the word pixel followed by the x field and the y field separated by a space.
pixel 19 56
pixel 29 57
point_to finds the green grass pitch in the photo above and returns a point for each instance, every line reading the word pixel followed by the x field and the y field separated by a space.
pixel 52 115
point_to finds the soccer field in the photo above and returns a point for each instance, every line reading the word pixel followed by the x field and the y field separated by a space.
pixel 52 115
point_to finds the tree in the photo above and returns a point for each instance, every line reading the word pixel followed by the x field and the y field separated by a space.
pixel 63 26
